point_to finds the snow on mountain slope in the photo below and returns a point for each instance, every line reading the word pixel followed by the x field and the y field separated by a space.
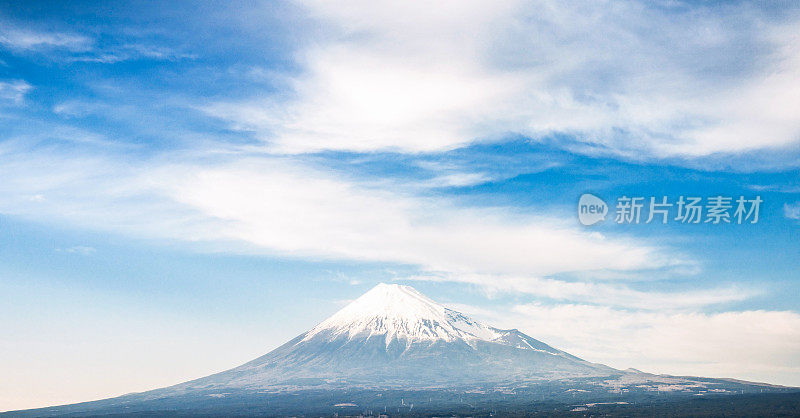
pixel 394 336
pixel 397 312
pixel 401 313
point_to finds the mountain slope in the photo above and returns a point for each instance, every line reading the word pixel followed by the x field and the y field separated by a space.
pixel 395 337
pixel 394 345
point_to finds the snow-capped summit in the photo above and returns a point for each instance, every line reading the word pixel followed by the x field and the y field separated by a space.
pixel 400 312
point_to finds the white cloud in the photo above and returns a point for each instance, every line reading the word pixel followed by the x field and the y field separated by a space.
pixel 630 77
pixel 24 39
pixel 295 209
pixel 458 180
pixel 779 188
pixel 14 91
pixel 792 211
pixel 281 206
pixel 361 102
pixel 599 293
pixel 755 345
pixel 284 207
pixel 79 249
pixel 82 48
pixel 129 52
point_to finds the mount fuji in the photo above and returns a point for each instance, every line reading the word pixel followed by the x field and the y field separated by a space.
pixel 393 347
pixel 395 337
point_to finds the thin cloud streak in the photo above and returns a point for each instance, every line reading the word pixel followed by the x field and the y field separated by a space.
pixel 75 47
pixel 601 294
pixel 28 40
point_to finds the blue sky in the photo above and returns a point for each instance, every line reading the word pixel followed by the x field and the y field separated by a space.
pixel 185 187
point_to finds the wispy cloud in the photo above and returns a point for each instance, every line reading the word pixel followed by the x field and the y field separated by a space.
pixel 78 249
pixel 30 40
pixel 758 345
pixel 458 180
pixel 73 47
pixel 14 91
pixel 632 78
pixel 131 52
pixel 780 188
pixel 285 207
pixel 792 211
pixel 601 294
